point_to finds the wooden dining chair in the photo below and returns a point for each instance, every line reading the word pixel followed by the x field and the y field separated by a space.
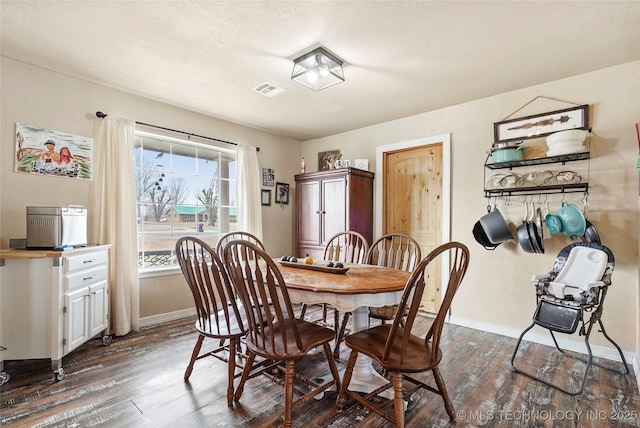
pixel 219 315
pixel 237 234
pixel 347 247
pixel 400 351
pixel 393 250
pixel 275 333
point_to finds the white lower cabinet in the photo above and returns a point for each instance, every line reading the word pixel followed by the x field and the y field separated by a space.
pixel 85 314
pixel 53 302
pixel 98 308
pixel 76 317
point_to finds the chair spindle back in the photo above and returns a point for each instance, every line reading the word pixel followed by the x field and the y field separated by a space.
pixel 209 284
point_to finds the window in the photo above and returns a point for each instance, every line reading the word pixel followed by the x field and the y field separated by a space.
pixel 183 188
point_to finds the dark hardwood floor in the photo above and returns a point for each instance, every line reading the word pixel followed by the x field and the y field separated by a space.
pixel 138 382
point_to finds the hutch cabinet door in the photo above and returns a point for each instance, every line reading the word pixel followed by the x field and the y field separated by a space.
pixel 334 208
pixel 308 207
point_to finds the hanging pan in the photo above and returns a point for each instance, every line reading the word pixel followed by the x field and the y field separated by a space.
pixel 523 232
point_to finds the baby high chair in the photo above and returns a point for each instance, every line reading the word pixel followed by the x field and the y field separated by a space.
pixel 571 296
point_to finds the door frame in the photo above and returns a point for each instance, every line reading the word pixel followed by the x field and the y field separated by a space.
pixel 445 139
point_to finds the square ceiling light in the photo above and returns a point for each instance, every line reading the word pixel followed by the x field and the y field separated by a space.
pixel 318 69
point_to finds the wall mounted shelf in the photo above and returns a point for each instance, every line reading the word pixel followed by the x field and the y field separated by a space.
pixel 538 190
pixel 551 189
pixel 539 161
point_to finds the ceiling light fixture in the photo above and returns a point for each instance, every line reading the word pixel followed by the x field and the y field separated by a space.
pixel 318 69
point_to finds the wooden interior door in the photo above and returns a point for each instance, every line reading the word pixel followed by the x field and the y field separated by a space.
pixel 412 203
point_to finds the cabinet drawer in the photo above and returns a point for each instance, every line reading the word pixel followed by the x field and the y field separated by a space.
pixel 84 261
pixel 85 277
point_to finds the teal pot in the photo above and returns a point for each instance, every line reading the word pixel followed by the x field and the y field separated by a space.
pixel 553 224
pixel 572 220
pixel 507 154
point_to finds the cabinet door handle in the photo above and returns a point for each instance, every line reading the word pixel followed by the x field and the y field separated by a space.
pixel 89 261
pixel 86 278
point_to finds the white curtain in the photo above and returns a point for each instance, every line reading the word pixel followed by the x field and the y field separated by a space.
pixel 248 185
pixel 112 217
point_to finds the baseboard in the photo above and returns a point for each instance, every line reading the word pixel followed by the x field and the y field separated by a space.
pixel 544 338
pixel 170 316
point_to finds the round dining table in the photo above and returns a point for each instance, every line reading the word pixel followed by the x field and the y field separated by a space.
pixel 355 290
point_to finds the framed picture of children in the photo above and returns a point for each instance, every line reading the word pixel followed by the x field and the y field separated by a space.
pixel 52 153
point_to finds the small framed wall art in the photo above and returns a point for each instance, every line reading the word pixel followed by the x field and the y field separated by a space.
pixel 282 193
pixel 268 176
pixel 541 125
pixel 266 197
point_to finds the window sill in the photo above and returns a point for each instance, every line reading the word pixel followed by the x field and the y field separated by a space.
pixel 166 271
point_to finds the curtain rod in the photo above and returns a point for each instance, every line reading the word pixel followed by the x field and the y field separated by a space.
pixel 102 115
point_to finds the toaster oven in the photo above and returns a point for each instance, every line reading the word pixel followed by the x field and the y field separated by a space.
pixel 56 227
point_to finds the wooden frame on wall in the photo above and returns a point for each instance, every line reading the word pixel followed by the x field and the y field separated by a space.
pixel 268 176
pixel 266 197
pixel 282 193
pixel 541 125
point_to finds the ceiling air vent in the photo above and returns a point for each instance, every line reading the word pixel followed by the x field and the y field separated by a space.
pixel 268 89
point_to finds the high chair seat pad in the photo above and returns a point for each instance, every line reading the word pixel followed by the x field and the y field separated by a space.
pixel 584 268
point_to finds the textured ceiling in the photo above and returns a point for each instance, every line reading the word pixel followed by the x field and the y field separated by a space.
pixel 401 58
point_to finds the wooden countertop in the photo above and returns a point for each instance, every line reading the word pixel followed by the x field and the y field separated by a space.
pixel 11 253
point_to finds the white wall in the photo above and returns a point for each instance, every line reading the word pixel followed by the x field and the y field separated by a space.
pixel 39 97
pixel 497 294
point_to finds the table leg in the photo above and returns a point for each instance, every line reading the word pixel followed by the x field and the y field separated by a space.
pixel 364 378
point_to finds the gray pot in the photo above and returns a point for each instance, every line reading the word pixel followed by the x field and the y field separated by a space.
pixel 496 227
pixel 480 236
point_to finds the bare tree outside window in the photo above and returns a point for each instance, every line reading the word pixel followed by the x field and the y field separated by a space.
pixel 183 188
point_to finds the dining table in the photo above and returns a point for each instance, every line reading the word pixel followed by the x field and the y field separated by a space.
pixel 352 289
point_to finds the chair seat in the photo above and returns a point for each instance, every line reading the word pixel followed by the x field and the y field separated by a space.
pixel 311 334
pixel 224 328
pixel 385 312
pixel 415 358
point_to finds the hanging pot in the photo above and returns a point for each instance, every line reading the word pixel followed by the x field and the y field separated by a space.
pixel 481 237
pixel 572 220
pixel 507 154
pixel 591 234
pixel 505 145
pixel 538 232
pixel 495 226
pixel 553 224
pixel 524 237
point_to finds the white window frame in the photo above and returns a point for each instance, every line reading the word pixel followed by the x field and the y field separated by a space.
pixel 148 168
